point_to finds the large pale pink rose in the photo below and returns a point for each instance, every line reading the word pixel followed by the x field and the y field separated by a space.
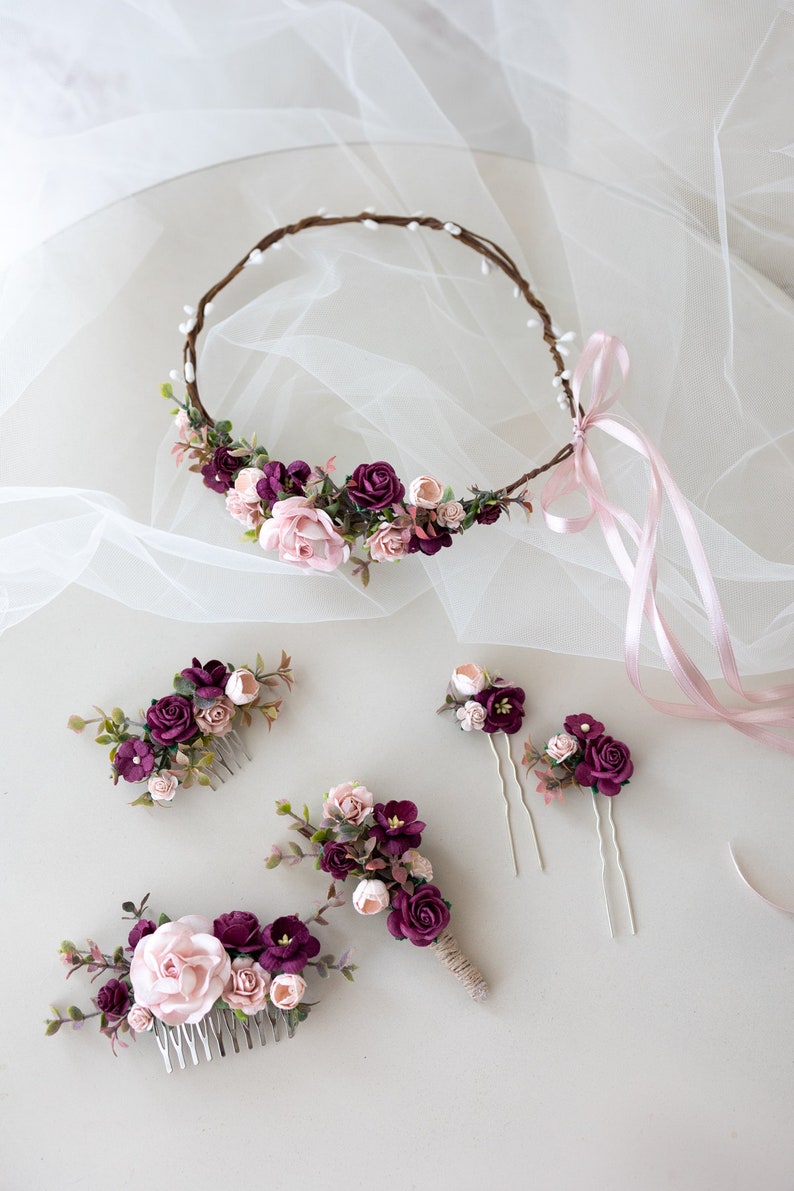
pixel 241 687
pixel 246 482
pixel 468 680
pixel 304 536
pixel 370 897
pixel 425 491
pixel 386 544
pixel 249 515
pixel 215 720
pixel 249 986
pixel 354 801
pixel 287 989
pixel 180 970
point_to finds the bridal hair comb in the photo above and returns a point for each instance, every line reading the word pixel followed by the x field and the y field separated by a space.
pixel 486 703
pixel 199 986
pixel 190 736
pixel 582 755
pixel 378 844
pixel 316 524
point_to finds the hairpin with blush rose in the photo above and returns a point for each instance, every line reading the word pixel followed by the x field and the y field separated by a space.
pixel 486 703
pixel 190 736
pixel 377 843
pixel 199 986
pixel 583 755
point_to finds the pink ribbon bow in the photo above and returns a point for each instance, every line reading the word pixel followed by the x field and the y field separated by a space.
pixel 579 471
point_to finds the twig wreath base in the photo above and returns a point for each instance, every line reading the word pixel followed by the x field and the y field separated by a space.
pixel 301 511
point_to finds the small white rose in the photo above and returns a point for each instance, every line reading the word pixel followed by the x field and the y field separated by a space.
pixel 241 687
pixel 246 482
pixel 425 492
pixel 139 1019
pixel 162 787
pixel 419 865
pixel 370 897
pixel 472 716
pixel 562 746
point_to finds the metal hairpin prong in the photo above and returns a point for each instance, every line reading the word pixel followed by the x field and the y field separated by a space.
pixel 616 846
pixel 507 805
pixel 603 865
pixel 525 805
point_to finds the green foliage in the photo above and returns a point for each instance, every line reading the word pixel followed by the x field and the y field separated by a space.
pixel 76 723
pixel 75 1014
pixel 52 1028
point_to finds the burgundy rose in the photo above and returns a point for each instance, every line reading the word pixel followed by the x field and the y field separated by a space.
pixel 419 916
pixel 134 760
pixel 583 726
pixel 375 486
pixel 209 680
pixel 113 999
pixel 504 708
pixel 239 930
pixel 488 514
pixel 606 766
pixel 288 946
pixel 335 859
pixel 143 927
pixel 220 471
pixel 396 827
pixel 171 720
pixel 428 545
pixel 279 480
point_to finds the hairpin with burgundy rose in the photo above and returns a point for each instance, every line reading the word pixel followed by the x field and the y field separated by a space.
pixel 198 985
pixel 191 736
pixel 377 843
pixel 584 756
pixel 484 702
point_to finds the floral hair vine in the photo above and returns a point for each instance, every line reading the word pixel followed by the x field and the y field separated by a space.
pixel 377 843
pixel 584 756
pixel 199 986
pixel 316 523
pixel 489 704
pixel 191 736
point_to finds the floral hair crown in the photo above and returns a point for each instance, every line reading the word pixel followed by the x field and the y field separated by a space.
pixel 201 986
pixel 318 524
pixel 191 736
pixel 378 844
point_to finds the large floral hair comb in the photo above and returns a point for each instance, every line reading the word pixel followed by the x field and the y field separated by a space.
pixel 377 843
pixel 372 516
pixel 202 987
pixel 191 736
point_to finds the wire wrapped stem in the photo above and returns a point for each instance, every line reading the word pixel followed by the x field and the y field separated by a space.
pixel 447 949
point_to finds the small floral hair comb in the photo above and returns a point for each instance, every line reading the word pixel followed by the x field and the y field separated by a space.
pixel 199 986
pixel 377 843
pixel 486 703
pixel 582 755
pixel 190 736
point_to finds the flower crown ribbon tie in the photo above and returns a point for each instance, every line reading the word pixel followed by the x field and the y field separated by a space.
pixel 580 472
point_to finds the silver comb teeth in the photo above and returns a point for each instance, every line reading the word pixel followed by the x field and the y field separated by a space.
pixel 230 753
pixel 221 1030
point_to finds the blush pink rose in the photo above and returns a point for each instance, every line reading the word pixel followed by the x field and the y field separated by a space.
pixel 468 680
pixel 386 544
pixel 247 514
pixel 246 482
pixel 180 970
pixel 183 427
pixel 472 716
pixel 450 514
pixel 418 865
pixel 241 687
pixel 249 986
pixel 425 492
pixel 304 536
pixel 286 990
pixel 562 746
pixel 215 720
pixel 370 896
pixel 162 786
pixel 354 801
pixel 139 1019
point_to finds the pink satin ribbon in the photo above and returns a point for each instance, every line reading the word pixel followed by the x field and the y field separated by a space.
pixel 580 472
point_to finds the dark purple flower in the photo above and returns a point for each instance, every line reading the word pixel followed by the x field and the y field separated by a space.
pixel 220 471
pixel 134 760
pixel 113 999
pixel 428 545
pixel 504 707
pixel 488 514
pixel 209 680
pixel 584 727
pixel 171 720
pixel 239 930
pixel 396 827
pixel 288 946
pixel 420 916
pixel 335 859
pixel 279 480
pixel 143 927
pixel 606 766
pixel 375 486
